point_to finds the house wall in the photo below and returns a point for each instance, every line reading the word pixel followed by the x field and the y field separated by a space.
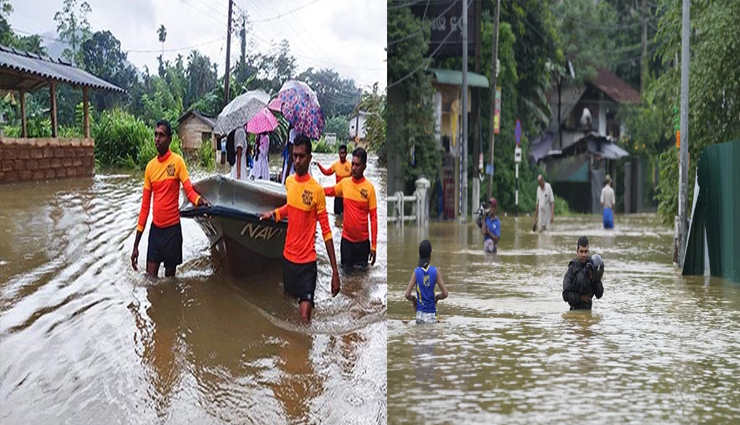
pixel 356 128
pixel 45 159
pixel 191 133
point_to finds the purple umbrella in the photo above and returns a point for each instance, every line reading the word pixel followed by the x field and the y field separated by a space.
pixel 299 105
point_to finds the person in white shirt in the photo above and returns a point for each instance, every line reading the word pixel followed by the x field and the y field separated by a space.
pixel 607 201
pixel 288 168
pixel 545 209
pixel 239 170
pixel 261 168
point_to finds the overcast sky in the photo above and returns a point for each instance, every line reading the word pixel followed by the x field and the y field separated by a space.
pixel 347 35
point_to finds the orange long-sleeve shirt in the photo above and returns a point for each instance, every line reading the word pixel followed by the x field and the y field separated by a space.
pixel 342 170
pixel 162 178
pixel 359 202
pixel 306 205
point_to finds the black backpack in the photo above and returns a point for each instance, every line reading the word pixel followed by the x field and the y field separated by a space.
pixel 230 151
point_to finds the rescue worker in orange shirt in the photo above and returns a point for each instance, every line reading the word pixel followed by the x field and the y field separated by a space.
pixel 360 202
pixel 343 169
pixel 306 205
pixel 162 178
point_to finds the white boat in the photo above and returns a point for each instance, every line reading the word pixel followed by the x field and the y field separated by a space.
pixel 232 222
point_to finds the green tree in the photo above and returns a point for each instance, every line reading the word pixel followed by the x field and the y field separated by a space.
pixel 201 77
pixel 6 32
pixel 338 125
pixel 582 38
pixel 73 27
pixel 337 95
pixel 102 57
pixel 8 37
pixel 162 36
pixel 242 72
pixel 411 123
pixel 374 103
pixel 714 95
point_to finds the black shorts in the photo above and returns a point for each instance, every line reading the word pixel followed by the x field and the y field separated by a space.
pixel 354 254
pixel 165 245
pixel 338 205
pixel 299 280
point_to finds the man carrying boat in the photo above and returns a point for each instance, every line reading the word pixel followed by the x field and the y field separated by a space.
pixel 162 178
pixel 360 202
pixel 343 169
pixel 306 205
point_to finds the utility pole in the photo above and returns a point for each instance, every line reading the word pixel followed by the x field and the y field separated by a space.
pixel 644 47
pixel 477 148
pixel 228 56
pixel 494 77
pixel 560 122
pixel 464 139
pixel 684 148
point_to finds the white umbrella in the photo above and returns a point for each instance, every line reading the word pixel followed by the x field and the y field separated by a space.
pixel 237 113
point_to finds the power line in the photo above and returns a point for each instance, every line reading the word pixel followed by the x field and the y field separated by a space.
pixel 175 49
pixel 401 5
pixel 206 14
pixel 280 15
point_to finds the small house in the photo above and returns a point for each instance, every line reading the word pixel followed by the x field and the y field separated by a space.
pixel 195 129
pixel 578 148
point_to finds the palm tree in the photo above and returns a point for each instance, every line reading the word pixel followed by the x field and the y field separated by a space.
pixel 162 36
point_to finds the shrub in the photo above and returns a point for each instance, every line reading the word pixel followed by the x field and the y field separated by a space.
pixel 121 140
pixel 207 156
pixel 321 146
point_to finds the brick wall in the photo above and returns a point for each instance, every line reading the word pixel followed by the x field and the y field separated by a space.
pixel 45 159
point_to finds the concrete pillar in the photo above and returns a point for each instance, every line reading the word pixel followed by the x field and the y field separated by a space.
pixel 628 187
pixel 423 209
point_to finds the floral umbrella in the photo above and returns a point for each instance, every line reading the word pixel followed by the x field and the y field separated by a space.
pixel 263 122
pixel 300 107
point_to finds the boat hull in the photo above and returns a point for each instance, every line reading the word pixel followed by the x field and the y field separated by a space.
pixel 232 224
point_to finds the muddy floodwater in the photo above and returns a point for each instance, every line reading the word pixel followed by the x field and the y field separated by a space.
pixel 658 348
pixel 86 340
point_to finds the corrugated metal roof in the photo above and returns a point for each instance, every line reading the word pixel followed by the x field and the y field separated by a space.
pixel 40 69
pixel 452 77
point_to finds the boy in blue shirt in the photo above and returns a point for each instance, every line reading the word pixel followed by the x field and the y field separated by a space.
pixel 491 228
pixel 424 278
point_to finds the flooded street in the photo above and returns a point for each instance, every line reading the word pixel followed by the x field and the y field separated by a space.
pixel 657 348
pixel 85 339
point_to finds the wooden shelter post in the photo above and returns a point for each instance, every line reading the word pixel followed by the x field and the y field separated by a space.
pixel 53 96
pixel 86 114
pixel 24 126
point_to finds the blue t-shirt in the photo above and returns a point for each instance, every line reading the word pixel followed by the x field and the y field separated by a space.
pixel 493 226
pixel 426 280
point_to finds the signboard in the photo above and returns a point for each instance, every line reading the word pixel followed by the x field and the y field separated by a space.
pixel 489 169
pixel 678 139
pixel 497 113
pixel 518 155
pixel 445 19
pixel 480 161
pixel 330 138
pixel 518 132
